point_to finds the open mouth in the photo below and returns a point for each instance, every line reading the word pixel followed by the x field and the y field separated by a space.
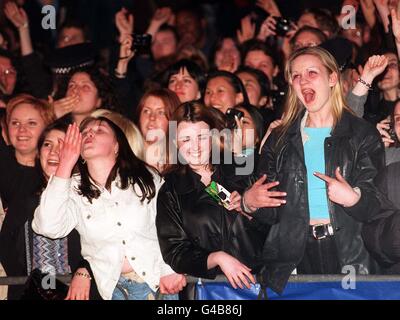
pixel 53 163
pixel 308 95
pixel 22 139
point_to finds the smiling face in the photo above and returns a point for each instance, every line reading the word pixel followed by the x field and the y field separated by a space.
pixel 185 87
pixel 194 143
pixel 49 152
pixel 221 94
pixel 81 85
pixel 228 50
pixel 312 83
pixel 98 141
pixel 24 128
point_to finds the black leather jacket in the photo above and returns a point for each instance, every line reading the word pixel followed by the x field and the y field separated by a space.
pixel 356 147
pixel 191 225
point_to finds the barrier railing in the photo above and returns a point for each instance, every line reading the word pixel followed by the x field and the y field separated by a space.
pixel 306 287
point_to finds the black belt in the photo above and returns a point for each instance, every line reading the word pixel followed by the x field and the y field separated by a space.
pixel 321 231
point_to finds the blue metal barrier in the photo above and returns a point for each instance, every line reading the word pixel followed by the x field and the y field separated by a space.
pixel 309 288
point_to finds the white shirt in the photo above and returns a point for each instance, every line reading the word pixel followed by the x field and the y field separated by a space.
pixel 114 226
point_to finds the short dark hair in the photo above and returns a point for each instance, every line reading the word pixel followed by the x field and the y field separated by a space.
pixel 325 20
pixel 317 32
pixel 233 79
pixel 255 45
pixel 166 27
pixel 260 76
pixel 77 24
pixel 256 117
pixel 192 68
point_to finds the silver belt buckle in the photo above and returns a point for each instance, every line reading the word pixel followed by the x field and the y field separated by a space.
pixel 314 231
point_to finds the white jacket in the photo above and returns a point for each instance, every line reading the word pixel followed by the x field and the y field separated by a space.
pixel 113 226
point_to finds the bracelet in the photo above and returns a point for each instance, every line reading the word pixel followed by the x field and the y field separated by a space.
pixel 119 75
pixel 81 274
pixel 123 58
pixel 24 26
pixel 368 85
pixel 244 208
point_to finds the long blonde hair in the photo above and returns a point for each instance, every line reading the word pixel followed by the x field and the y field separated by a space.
pixel 293 105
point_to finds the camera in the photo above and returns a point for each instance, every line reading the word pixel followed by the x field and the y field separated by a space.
pixel 282 26
pixel 141 42
pixel 392 133
pixel 231 115
pixel 277 96
pixel 219 193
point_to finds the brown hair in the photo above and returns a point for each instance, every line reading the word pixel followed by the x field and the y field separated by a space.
pixel 194 111
pixel 44 108
pixel 168 97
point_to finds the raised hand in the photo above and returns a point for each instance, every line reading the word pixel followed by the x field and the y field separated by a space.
pixel 63 106
pixel 269 6
pixel 125 52
pixel 236 272
pixel 161 16
pixel 395 25
pixel 339 191
pixel 267 28
pixel 70 149
pixel 124 22
pixel 383 128
pixel 247 31
pixel 373 67
pixel 259 196
pixel 16 15
pixel 172 283
pixel 383 9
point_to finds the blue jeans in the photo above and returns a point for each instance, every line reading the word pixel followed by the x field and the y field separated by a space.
pixel 127 289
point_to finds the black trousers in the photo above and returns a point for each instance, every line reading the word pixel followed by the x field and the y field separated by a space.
pixel 320 257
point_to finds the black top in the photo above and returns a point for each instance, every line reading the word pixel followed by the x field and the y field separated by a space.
pixel 191 225
pixel 13 240
pixel 16 180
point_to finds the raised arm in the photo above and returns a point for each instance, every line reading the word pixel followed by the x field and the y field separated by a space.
pixel 57 213
pixel 20 20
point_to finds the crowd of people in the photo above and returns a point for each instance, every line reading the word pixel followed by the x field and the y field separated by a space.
pixel 257 148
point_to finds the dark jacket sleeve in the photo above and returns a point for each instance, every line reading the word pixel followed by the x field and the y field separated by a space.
pixel 369 162
pixel 178 250
pixel 382 235
pixel 267 165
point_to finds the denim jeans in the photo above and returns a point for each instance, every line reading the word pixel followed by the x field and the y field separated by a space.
pixel 127 289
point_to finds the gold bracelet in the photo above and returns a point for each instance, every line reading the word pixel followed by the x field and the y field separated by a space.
pixel 81 274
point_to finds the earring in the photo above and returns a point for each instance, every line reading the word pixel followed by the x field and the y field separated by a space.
pixel 83 161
